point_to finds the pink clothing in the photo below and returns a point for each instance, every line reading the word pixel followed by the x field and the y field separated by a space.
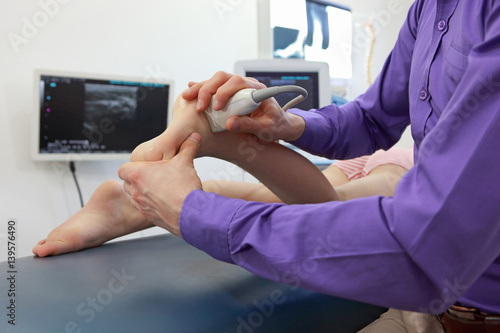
pixel 360 167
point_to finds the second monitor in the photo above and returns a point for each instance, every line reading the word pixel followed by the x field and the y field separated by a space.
pixel 312 76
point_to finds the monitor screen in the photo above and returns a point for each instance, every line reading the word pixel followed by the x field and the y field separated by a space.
pixel 96 117
pixel 314 30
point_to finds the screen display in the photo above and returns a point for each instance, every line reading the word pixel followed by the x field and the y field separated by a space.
pixel 308 81
pixel 93 116
pixel 313 30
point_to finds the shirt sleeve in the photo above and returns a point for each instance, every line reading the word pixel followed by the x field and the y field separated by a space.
pixel 424 246
pixel 374 120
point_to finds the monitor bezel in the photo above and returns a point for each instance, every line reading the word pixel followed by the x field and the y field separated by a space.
pixel 277 65
pixel 59 157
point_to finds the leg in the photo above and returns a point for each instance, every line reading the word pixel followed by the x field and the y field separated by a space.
pixel 377 174
pixel 396 321
pixel 389 322
pixel 335 175
pixel 381 181
pixel 108 214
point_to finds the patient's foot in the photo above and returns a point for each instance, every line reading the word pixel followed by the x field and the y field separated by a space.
pixel 108 214
pixel 186 120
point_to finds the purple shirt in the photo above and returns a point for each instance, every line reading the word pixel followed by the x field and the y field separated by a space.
pixel 437 240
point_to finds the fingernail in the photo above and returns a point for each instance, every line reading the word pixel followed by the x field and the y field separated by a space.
pixel 216 105
pixel 199 105
pixel 195 137
pixel 235 125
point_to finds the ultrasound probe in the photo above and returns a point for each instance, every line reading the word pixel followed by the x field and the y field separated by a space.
pixel 246 101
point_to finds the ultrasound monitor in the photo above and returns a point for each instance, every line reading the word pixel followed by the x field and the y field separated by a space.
pixel 312 76
pixel 96 117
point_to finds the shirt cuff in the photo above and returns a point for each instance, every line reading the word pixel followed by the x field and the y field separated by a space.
pixel 208 234
pixel 317 132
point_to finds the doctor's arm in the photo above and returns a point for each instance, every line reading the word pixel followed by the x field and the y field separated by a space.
pixel 427 245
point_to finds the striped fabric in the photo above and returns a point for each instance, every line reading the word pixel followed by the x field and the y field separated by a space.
pixel 362 166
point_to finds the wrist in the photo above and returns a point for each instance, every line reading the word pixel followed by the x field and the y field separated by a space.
pixel 296 128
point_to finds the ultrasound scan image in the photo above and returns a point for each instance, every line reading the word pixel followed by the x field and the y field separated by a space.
pixel 111 102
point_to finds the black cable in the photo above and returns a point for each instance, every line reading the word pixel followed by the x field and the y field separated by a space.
pixel 72 168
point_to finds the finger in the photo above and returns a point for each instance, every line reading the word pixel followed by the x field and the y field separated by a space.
pixel 232 124
pixel 234 84
pixel 137 206
pixel 137 200
pixel 244 124
pixel 126 188
pixel 124 170
pixel 127 172
pixel 189 148
pixel 262 128
pixel 210 87
pixel 192 91
pixel 142 208
pixel 255 80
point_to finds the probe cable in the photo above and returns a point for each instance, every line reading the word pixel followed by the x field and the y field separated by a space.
pixel 72 168
pixel 262 94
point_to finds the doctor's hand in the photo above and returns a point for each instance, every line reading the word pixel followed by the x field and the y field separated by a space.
pixel 268 122
pixel 158 189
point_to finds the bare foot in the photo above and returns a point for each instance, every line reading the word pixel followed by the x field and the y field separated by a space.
pixel 108 214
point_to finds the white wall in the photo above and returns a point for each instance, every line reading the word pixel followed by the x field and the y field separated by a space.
pixel 179 40
pixel 386 18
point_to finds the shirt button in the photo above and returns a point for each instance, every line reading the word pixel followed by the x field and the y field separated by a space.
pixel 441 25
pixel 423 95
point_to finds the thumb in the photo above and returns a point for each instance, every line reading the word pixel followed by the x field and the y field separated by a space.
pixel 189 148
pixel 256 126
pixel 241 124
